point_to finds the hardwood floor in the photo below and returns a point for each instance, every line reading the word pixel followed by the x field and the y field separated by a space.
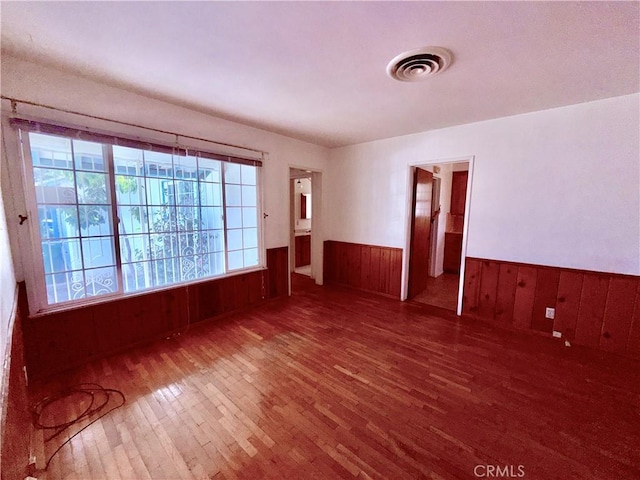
pixel 330 384
pixel 440 292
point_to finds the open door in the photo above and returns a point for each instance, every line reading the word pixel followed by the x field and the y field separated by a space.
pixel 420 245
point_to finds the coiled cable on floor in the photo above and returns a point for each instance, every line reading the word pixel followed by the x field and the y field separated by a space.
pixel 99 397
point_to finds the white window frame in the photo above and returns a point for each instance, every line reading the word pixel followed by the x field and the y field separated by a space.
pixel 40 305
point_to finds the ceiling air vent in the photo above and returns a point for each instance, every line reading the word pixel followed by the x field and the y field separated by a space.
pixel 419 64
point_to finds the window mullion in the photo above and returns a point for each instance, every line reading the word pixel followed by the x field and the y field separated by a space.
pixel 224 217
pixel 80 237
pixel 107 153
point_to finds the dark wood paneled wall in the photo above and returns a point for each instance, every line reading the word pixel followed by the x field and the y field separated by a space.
pixel 60 340
pixel 16 415
pixel 302 250
pixel 365 267
pixel 595 309
pixel 277 280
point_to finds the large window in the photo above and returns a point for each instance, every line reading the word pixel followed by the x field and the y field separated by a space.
pixel 117 219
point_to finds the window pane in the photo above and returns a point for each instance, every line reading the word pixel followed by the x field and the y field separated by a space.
pixel 209 170
pixel 249 217
pixel 214 240
pixel 185 167
pixel 234 239
pixel 57 222
pixel 95 220
pixel 235 260
pixel 61 255
pixel 234 217
pixel 249 198
pixel 233 195
pixel 158 164
pixel 164 245
pixel 250 237
pixel 54 186
pixel 231 173
pixel 251 257
pixel 164 272
pixel 212 264
pixel 137 276
pixel 162 219
pixel 92 188
pixel 75 217
pixel 188 270
pixel 188 218
pixel 248 174
pixel 100 281
pixel 62 287
pixel 210 194
pixel 88 156
pixel 130 190
pixel 97 252
pixel 128 161
pixel 132 219
pixel 186 192
pixel 191 243
pixel 211 217
pixel 241 198
pixel 50 151
pixel 160 192
pixel 134 248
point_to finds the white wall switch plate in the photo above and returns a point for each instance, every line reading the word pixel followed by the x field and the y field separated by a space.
pixel 550 313
pixel 557 334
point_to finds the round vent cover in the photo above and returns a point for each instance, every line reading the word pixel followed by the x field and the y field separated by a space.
pixel 419 64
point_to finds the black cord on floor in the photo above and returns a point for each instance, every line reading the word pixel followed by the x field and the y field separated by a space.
pixel 96 406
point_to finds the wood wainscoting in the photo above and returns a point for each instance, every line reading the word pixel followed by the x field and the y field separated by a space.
pixel 60 340
pixel 16 425
pixel 277 279
pixel 364 267
pixel 594 309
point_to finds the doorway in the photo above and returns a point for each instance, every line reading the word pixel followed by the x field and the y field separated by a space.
pixel 305 255
pixel 302 211
pixel 437 231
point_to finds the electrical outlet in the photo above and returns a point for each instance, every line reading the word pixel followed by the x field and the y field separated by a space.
pixel 550 313
pixel 557 334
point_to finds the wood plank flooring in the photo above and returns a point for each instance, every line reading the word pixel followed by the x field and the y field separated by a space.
pixel 335 384
pixel 441 292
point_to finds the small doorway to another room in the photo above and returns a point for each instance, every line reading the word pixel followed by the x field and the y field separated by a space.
pixel 301 221
pixel 436 235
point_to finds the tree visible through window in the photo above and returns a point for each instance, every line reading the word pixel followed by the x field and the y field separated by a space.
pixel 178 217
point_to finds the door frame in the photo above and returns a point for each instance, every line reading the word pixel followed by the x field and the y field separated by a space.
pixel 409 214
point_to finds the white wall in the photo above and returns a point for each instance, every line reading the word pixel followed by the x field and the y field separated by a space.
pixel 557 187
pixel 28 81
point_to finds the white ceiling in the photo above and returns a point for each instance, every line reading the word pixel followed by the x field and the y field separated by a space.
pixel 316 70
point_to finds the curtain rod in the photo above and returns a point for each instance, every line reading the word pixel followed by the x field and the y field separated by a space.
pixel 15 101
